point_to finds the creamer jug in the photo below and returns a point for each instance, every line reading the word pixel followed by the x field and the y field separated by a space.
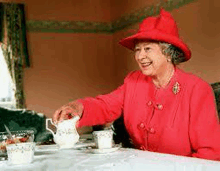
pixel 66 135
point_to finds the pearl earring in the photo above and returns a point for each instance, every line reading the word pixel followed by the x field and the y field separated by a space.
pixel 168 60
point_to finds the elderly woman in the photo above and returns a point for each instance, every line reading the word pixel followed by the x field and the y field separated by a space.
pixel 165 109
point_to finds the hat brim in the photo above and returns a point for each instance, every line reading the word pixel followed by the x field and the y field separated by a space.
pixel 156 35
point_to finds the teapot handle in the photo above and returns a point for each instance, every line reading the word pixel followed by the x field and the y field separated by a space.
pixel 47 128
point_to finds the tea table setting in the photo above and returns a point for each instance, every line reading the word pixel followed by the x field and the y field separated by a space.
pixel 96 151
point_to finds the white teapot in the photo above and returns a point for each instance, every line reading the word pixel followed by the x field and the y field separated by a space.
pixel 66 135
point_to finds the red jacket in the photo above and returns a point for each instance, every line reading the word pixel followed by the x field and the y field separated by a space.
pixel 180 119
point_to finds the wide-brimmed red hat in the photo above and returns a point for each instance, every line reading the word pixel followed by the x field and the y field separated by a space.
pixel 162 28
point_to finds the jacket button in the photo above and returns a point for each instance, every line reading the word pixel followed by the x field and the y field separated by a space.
pixel 142 148
pixel 141 125
pixel 149 103
pixel 151 130
pixel 160 106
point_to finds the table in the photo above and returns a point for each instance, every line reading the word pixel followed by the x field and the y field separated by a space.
pixel 122 159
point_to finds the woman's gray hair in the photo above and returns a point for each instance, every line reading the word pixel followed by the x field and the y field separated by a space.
pixel 177 56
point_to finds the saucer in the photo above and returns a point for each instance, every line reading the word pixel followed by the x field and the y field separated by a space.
pixel 86 144
pixel 46 148
pixel 95 150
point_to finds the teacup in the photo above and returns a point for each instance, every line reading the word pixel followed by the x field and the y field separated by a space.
pixel 20 153
pixel 103 139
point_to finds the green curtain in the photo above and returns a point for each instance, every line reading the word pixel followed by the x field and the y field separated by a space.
pixel 14 46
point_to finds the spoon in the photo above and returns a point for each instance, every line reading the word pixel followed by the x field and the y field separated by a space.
pixel 8 131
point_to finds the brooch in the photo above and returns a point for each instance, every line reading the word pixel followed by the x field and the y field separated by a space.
pixel 176 88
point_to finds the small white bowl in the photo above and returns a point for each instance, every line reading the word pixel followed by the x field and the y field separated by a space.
pixel 20 153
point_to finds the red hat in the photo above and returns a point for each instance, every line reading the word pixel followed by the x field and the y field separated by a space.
pixel 162 28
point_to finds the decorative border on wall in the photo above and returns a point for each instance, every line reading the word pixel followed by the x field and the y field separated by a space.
pixel 69 26
pixel 104 27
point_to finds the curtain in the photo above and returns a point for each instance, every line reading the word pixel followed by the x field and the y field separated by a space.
pixel 14 46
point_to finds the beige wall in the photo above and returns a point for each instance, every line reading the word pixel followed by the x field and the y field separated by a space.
pixel 66 67
pixel 61 10
pixel 200 28
pixel 125 7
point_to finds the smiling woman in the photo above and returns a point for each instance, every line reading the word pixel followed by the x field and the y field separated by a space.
pixel 6 86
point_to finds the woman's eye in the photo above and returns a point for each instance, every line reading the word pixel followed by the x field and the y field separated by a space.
pixel 146 49
pixel 136 49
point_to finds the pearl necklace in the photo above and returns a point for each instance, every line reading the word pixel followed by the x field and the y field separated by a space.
pixel 168 80
pixel 171 75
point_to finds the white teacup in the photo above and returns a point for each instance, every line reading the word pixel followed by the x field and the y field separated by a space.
pixel 103 139
pixel 20 153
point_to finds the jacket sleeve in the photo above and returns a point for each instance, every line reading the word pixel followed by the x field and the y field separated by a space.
pixel 103 108
pixel 204 128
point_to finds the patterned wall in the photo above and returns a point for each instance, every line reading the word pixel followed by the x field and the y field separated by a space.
pixel 104 27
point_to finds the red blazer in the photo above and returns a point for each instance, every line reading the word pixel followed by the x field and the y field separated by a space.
pixel 180 119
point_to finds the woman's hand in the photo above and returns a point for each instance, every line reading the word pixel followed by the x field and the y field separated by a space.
pixel 68 111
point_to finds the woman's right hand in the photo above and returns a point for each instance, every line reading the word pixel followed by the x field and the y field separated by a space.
pixel 74 108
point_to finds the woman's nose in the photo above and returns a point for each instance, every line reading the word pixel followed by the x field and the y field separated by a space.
pixel 141 55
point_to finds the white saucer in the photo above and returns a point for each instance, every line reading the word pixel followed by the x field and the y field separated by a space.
pixel 54 147
pixel 104 150
pixel 46 148
pixel 85 144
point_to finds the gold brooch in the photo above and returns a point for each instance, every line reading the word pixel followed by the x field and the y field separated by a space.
pixel 176 88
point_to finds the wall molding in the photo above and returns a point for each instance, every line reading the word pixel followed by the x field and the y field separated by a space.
pixel 69 26
pixel 104 27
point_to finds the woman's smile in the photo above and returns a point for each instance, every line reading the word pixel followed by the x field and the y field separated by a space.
pixel 146 65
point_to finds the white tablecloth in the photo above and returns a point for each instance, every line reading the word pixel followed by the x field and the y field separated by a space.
pixel 122 159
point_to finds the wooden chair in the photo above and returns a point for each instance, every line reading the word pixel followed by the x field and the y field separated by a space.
pixel 216 90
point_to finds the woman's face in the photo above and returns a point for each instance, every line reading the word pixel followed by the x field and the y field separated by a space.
pixel 150 58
